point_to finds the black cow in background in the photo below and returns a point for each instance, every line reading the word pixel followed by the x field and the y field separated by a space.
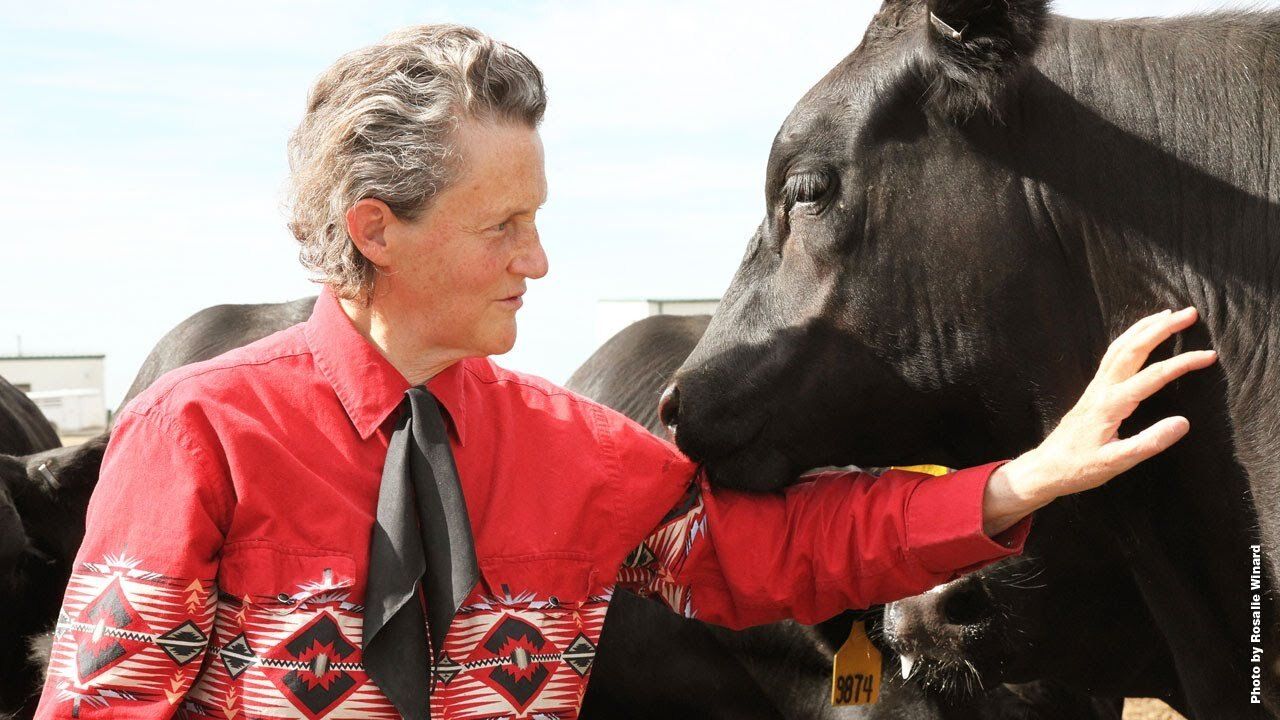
pixel 959 217
pixel 213 331
pixel 44 491
pixel 23 428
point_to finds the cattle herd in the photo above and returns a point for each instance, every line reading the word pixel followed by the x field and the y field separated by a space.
pixel 959 217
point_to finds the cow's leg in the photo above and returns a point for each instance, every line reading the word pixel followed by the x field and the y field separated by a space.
pixel 1260 455
pixel 1213 680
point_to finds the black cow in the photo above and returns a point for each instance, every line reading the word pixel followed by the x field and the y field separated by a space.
pixel 213 331
pixel 44 490
pixel 959 217
pixel 23 430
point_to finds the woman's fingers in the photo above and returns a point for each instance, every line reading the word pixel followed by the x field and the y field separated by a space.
pixel 1122 341
pixel 1120 455
pixel 1084 450
pixel 1133 349
pixel 1151 379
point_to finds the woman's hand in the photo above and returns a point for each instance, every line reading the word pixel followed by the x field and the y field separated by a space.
pixel 1084 450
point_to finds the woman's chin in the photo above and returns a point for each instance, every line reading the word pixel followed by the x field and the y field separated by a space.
pixel 499 340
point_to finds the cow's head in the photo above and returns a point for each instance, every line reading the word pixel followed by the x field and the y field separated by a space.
pixel 43 498
pixel 907 299
pixel 13 538
pixel 899 279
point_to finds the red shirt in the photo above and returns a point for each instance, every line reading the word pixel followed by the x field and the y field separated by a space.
pixel 223 569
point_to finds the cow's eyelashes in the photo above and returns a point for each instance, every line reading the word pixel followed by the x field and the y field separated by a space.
pixel 805 187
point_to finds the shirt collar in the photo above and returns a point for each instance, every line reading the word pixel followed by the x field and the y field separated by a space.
pixel 369 387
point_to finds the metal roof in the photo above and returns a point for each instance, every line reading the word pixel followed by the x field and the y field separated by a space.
pixel 52 357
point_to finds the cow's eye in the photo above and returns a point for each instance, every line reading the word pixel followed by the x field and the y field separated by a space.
pixel 805 187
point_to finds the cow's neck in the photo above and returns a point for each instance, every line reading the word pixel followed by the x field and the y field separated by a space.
pixel 1156 146
pixel 1151 147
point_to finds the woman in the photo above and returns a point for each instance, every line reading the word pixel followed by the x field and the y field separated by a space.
pixel 269 524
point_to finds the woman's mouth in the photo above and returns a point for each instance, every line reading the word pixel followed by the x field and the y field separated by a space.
pixel 512 303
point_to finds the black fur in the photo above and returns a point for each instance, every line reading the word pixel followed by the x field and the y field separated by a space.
pixel 40 529
pixel 976 73
pixel 23 428
pixel 952 296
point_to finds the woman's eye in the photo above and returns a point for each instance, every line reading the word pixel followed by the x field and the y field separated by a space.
pixel 805 187
pixel 500 227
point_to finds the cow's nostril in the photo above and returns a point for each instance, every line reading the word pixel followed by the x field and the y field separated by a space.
pixel 966 605
pixel 669 408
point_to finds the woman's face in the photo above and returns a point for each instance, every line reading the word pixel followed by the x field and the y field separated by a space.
pixel 458 271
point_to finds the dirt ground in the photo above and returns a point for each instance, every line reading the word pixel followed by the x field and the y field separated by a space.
pixel 1148 709
pixel 69 439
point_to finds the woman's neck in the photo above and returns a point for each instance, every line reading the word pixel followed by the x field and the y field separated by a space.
pixel 416 359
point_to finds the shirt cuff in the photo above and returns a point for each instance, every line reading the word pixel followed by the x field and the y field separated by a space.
pixel 944 523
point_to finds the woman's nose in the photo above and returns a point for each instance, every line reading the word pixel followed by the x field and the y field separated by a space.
pixel 531 262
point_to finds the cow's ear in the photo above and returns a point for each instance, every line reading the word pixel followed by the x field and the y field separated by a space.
pixel 975 49
pixel 72 469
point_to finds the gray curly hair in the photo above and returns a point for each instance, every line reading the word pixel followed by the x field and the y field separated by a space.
pixel 379 124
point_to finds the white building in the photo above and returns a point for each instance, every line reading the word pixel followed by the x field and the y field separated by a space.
pixel 614 315
pixel 68 389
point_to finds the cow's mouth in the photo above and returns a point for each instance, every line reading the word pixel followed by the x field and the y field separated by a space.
pixel 963 671
pixel 754 468
pixel 734 454
pixel 755 465
pixel 955 678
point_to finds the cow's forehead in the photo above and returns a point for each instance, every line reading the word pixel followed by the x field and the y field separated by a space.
pixel 867 75
pixel 834 109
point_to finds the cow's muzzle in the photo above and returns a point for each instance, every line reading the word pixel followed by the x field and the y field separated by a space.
pixel 942 626
pixel 669 409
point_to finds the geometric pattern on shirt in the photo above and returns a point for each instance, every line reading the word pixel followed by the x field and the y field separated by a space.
pixel 316 667
pixel 237 683
pixel 580 655
pixel 651 568
pixel 126 635
pixel 297 658
pixel 507 655
pixel 518 654
pixel 259 640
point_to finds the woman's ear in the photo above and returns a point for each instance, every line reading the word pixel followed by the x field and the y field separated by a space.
pixel 367 223
pixel 975 50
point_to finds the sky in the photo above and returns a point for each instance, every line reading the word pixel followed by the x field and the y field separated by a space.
pixel 143 168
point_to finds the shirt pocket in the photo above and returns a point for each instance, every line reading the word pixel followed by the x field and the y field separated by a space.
pixel 287 638
pixel 539 582
pixel 283 580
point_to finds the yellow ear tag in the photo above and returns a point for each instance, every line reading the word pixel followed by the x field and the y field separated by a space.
pixel 858 666
pixel 856 673
pixel 926 469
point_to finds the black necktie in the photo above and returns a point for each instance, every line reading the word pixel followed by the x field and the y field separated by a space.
pixel 422 534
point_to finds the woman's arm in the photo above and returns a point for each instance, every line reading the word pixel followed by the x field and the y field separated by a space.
pixel 139 608
pixel 850 540
pixel 836 541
